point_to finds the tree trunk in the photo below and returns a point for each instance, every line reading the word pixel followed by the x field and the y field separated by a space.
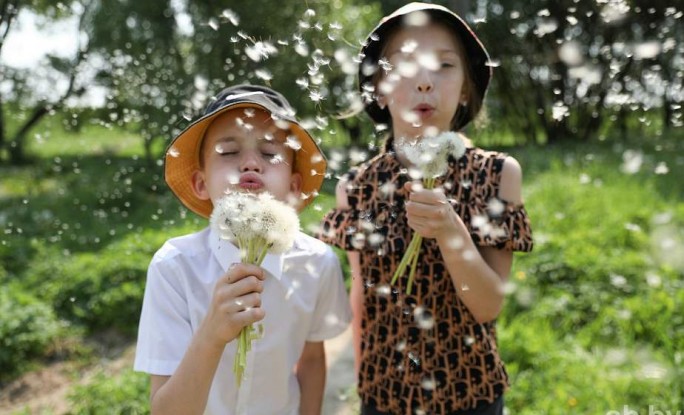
pixel 15 149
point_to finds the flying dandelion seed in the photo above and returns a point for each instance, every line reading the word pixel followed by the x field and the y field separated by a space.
pixel 301 48
pixel 277 159
pixel 383 290
pixel 661 168
pixel 293 143
pixel 316 96
pixel 263 74
pixel 428 384
pixel 213 23
pixel 631 161
pixel 415 360
pixel 231 16
pixel 173 152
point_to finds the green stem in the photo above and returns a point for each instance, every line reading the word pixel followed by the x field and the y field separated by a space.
pixel 414 263
pixel 415 242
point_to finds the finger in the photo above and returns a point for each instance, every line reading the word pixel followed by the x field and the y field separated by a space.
pixel 238 271
pixel 250 316
pixel 226 292
pixel 242 303
pixel 429 196
pixel 413 186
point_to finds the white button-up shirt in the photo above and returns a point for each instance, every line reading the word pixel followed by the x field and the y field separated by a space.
pixel 304 299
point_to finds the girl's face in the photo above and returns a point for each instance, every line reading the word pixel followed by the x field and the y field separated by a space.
pixel 423 84
pixel 244 151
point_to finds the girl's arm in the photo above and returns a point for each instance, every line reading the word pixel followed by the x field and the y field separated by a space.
pixel 311 376
pixel 235 304
pixel 356 300
pixel 478 273
pixel 356 291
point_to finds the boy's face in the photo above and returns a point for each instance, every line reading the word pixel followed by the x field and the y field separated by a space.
pixel 424 85
pixel 244 151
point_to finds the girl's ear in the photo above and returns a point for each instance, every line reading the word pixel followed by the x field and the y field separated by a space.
pixel 199 185
pixel 382 101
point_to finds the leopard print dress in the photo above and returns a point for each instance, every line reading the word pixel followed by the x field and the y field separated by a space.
pixel 424 353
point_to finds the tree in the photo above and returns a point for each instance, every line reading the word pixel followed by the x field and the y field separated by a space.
pixel 565 68
pixel 36 107
pixel 160 73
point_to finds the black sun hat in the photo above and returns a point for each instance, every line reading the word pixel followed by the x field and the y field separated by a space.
pixel 183 154
pixel 370 54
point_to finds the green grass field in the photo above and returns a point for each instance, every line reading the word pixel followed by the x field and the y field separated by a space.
pixel 592 324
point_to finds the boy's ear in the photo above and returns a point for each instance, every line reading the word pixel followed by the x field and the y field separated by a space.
pixel 199 185
pixel 296 183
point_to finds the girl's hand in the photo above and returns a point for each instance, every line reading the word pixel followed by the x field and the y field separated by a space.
pixel 430 215
pixel 236 302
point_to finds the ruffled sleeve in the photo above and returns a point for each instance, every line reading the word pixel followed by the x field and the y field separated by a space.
pixel 504 226
pixel 340 227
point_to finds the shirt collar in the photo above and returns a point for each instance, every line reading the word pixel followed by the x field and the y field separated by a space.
pixel 226 254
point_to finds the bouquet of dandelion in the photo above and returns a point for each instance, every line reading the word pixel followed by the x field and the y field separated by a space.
pixel 430 159
pixel 258 225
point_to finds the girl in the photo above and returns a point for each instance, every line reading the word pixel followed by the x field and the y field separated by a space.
pixel 432 351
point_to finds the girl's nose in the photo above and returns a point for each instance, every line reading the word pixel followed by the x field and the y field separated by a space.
pixel 424 80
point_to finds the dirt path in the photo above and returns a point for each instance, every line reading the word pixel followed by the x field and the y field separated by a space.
pixel 45 391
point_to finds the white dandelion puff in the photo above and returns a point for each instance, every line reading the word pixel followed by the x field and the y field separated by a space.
pixel 258 225
pixel 430 158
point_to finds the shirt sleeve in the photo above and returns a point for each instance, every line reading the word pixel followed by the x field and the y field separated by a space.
pixel 333 312
pixel 164 332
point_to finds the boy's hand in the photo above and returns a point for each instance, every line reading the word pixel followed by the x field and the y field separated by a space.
pixel 235 304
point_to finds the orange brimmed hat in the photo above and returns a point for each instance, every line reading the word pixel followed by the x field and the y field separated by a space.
pixel 372 48
pixel 183 155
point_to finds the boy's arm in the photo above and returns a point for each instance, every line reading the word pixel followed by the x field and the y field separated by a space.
pixel 235 303
pixel 310 372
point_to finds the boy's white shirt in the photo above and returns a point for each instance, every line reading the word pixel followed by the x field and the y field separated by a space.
pixel 304 299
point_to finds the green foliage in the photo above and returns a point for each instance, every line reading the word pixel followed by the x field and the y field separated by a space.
pixel 553 374
pixel 27 328
pixel 99 290
pixel 592 320
pixel 124 394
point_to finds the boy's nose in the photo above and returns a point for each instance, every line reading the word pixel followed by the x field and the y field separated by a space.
pixel 250 161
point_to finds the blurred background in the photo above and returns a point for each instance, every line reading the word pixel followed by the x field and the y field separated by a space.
pixel 587 95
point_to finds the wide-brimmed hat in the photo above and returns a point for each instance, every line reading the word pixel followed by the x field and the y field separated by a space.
pixel 370 54
pixel 183 154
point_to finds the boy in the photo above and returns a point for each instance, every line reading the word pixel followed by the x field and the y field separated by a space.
pixel 198 297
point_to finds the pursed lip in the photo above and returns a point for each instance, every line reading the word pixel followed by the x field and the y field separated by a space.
pixel 424 110
pixel 250 181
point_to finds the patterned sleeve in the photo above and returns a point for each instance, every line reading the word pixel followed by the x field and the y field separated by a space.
pixel 502 225
pixel 340 227
pixel 492 221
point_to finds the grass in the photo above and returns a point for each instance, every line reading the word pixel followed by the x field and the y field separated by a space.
pixel 592 323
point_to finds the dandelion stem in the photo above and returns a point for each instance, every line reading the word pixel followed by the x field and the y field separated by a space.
pixel 414 262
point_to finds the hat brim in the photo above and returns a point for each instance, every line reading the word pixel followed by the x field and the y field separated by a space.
pixel 182 160
pixel 474 49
